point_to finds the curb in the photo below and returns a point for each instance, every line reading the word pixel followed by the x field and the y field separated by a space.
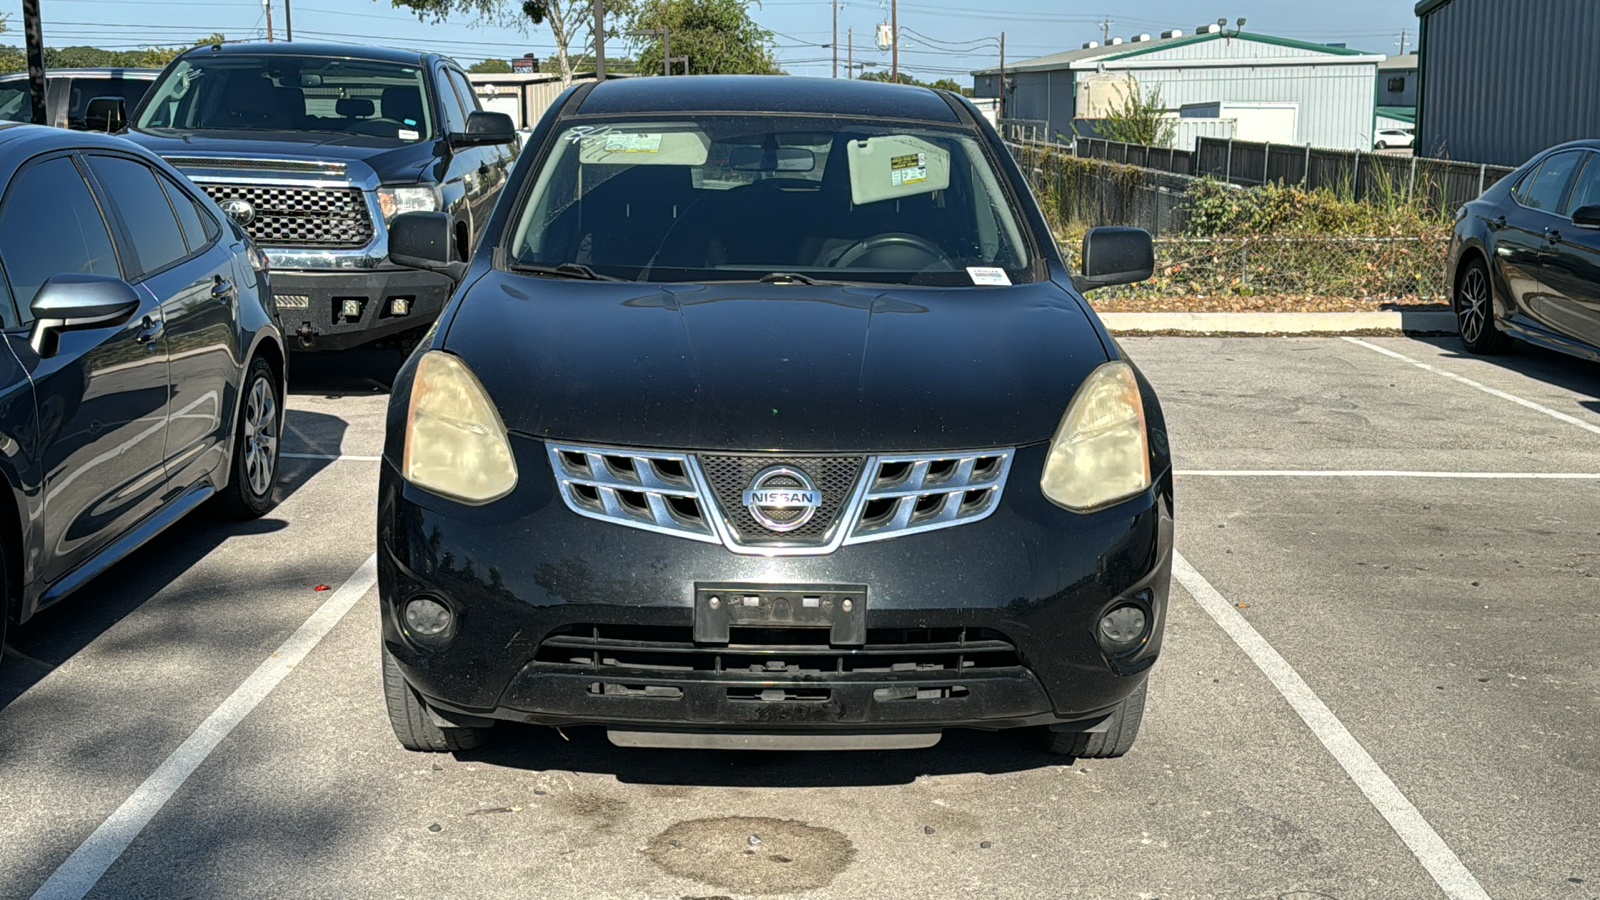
pixel 1277 323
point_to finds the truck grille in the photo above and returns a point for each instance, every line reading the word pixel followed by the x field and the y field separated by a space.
pixel 300 216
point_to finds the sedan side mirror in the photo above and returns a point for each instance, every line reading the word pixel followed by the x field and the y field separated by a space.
pixel 1115 255
pixel 485 128
pixel 73 300
pixel 425 240
pixel 1586 216
pixel 107 114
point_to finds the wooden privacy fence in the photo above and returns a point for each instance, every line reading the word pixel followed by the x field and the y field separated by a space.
pixel 1438 183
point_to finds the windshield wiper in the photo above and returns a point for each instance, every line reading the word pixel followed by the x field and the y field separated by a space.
pixel 565 270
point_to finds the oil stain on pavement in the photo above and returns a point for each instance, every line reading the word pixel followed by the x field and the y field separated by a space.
pixel 752 854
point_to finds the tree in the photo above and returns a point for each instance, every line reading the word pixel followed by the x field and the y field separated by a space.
pixel 718 36
pixel 1141 119
pixel 490 67
pixel 13 59
pixel 943 84
pixel 568 20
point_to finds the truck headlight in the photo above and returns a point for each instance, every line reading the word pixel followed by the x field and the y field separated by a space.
pixel 456 444
pixel 392 201
pixel 1100 453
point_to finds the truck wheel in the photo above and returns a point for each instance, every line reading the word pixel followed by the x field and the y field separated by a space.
pixel 1121 729
pixel 251 490
pixel 414 728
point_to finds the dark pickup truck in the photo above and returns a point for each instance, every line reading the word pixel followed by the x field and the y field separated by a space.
pixel 314 148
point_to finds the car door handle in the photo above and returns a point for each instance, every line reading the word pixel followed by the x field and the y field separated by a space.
pixel 222 289
pixel 1497 223
pixel 1552 235
pixel 151 332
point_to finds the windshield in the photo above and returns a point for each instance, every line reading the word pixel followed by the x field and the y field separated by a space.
pixel 722 198
pixel 278 93
pixel 16 104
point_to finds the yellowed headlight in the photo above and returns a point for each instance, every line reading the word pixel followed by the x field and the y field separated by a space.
pixel 455 442
pixel 1100 453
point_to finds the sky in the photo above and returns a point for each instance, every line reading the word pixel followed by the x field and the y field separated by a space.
pixel 938 38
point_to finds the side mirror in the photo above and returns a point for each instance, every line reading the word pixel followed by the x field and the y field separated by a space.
pixel 1586 216
pixel 107 114
pixel 425 240
pixel 73 300
pixel 485 128
pixel 1115 255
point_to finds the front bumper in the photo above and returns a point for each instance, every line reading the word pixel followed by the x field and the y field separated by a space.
pixel 564 620
pixel 311 304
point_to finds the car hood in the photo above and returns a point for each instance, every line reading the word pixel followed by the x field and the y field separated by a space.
pixel 387 159
pixel 803 368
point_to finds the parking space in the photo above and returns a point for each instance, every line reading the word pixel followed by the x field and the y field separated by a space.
pixel 1410 533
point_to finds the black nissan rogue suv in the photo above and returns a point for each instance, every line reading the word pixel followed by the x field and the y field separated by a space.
pixel 770 416
pixel 314 149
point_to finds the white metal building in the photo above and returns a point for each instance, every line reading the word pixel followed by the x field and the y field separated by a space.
pixel 1333 88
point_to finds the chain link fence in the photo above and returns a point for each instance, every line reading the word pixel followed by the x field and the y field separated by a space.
pixel 1078 193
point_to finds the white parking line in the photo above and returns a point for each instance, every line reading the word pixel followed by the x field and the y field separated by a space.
pixel 331 457
pixel 1382 473
pixel 1436 857
pixel 84 868
pixel 1554 414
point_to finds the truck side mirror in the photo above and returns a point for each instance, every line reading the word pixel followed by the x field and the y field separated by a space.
pixel 485 128
pixel 107 114
pixel 425 240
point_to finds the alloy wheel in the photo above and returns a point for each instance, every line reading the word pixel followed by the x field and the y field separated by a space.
pixel 1472 305
pixel 261 436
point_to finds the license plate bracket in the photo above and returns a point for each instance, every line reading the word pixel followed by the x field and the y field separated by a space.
pixel 840 608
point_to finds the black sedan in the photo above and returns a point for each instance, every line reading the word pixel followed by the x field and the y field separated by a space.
pixel 768 416
pixel 142 370
pixel 1525 257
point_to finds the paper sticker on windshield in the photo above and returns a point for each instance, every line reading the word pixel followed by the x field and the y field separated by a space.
pixel 633 143
pixel 406 134
pixel 909 168
pixel 987 275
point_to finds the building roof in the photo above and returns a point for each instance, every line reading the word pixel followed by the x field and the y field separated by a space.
pixel 767 93
pixel 1109 53
pixel 1398 113
pixel 1427 6
pixel 1404 61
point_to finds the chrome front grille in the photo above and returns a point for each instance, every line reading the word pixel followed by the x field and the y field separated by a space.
pixel 700 496
pixel 729 476
pixel 908 494
pixel 287 216
pixel 653 491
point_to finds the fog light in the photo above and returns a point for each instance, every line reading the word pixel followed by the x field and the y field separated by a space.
pixel 351 309
pixel 1122 627
pixel 399 306
pixel 427 617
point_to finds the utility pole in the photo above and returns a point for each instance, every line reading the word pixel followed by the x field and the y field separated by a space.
pixel 849 66
pixel 35 41
pixel 1402 42
pixel 835 5
pixel 267 5
pixel 1105 31
pixel 599 42
pixel 288 22
pixel 1000 107
pixel 894 41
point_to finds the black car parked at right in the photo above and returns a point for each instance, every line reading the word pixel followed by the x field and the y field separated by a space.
pixel 1524 258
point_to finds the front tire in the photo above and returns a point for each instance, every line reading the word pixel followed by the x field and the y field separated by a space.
pixel 252 489
pixel 1117 738
pixel 1382 146
pixel 413 726
pixel 1474 307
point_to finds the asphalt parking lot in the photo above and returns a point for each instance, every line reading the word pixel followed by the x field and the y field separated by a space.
pixel 1379 682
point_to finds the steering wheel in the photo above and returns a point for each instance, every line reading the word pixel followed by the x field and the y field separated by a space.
pixel 892 250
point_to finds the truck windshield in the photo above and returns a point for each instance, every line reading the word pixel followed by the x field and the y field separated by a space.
pixel 735 198
pixel 278 93
pixel 16 104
